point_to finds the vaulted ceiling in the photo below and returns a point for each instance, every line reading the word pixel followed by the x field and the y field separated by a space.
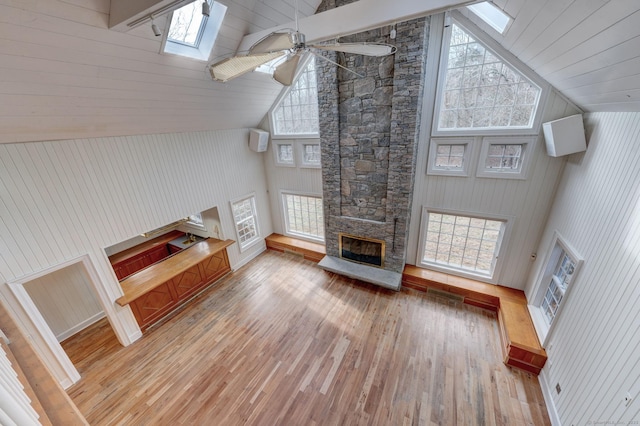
pixel 65 74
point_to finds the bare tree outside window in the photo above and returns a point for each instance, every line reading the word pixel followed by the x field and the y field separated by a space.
pixel 481 90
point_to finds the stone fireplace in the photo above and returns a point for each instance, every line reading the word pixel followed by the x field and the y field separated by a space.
pixel 369 129
pixel 366 251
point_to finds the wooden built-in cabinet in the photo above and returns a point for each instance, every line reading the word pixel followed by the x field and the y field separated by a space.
pixel 136 258
pixel 159 289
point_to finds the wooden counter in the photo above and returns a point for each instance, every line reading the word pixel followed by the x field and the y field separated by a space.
pixel 158 289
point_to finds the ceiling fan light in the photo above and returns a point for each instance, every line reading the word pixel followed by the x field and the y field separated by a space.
pixel 286 71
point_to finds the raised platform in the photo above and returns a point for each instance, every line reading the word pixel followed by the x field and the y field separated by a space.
pixel 520 345
pixel 383 278
pixel 310 251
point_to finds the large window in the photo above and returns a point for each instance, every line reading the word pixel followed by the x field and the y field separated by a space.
pixel 303 216
pixel 192 34
pixel 244 216
pixel 560 268
pixel 461 243
pixel 296 114
pixel 478 90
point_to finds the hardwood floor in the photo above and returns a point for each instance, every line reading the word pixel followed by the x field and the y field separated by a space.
pixel 283 342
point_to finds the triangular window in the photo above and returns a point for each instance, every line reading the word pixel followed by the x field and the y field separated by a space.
pixel 296 114
pixel 480 90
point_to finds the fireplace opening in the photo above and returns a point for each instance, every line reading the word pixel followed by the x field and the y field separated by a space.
pixel 361 250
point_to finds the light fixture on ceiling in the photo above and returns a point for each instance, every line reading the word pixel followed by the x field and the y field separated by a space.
pixel 154 27
pixel 176 4
pixel 206 9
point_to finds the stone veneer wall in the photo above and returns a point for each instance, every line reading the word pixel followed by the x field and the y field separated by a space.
pixel 369 131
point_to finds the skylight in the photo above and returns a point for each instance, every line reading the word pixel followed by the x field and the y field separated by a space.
pixel 492 15
pixel 192 34
pixel 187 24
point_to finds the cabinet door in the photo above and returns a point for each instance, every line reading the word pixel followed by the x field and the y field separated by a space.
pixel 187 282
pixel 151 306
pixel 158 253
pixel 215 266
pixel 120 272
pixel 134 264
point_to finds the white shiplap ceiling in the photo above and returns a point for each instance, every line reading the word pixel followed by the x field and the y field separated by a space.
pixel 64 74
pixel 587 49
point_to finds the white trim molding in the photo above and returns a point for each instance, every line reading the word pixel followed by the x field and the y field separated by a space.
pixel 557 247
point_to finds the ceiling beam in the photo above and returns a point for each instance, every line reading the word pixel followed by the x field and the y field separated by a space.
pixel 359 16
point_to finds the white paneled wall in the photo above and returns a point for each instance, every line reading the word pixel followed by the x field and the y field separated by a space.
pixel 594 349
pixel 291 179
pixel 526 201
pixel 66 299
pixel 63 199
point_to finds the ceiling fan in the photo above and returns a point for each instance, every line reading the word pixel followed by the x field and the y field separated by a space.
pixel 292 44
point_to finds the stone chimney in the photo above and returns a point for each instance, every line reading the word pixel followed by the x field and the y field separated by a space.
pixel 369 129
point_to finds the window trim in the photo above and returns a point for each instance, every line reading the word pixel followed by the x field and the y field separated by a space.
pixel 206 39
pixel 506 57
pixel 285 220
pixel 195 225
pixel 528 143
pixel 547 267
pixel 251 242
pixel 276 150
pixel 285 91
pixel 466 160
pixel 304 164
pixel 485 9
pixel 502 244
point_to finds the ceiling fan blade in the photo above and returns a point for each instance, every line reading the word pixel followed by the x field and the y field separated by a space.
pixel 286 71
pixel 272 43
pixel 368 49
pixel 336 64
pixel 233 67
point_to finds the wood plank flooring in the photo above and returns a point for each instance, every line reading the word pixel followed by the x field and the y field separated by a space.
pixel 283 342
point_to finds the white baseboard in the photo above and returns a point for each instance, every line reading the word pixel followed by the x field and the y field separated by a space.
pixel 546 393
pixel 135 336
pixel 79 327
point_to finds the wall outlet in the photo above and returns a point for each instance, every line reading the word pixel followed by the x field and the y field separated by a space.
pixel 627 399
pixel 558 389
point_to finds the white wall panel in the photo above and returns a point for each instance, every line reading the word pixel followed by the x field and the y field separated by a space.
pixel 593 349
pixel 527 202
pixel 66 300
pixel 292 179
pixel 60 200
